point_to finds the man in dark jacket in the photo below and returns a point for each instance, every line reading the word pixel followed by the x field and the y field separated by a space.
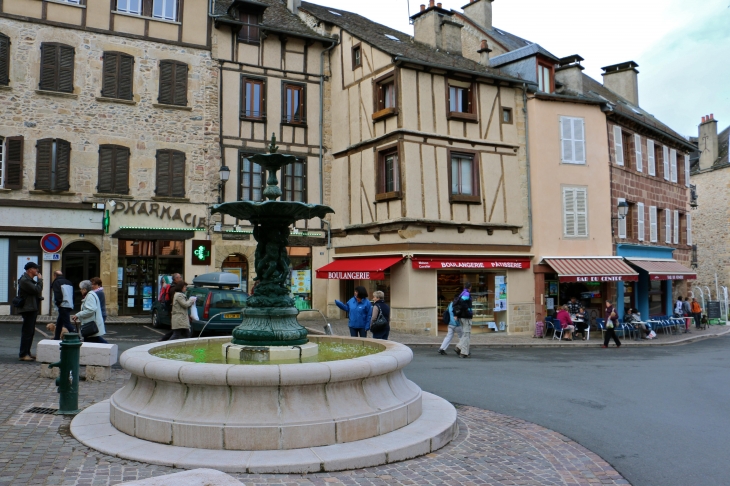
pixel 31 291
pixel 64 306
pixel 463 311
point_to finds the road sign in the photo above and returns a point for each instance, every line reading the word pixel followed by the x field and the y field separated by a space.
pixel 51 257
pixel 51 243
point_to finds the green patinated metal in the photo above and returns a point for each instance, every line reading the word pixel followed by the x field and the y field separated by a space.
pixel 271 318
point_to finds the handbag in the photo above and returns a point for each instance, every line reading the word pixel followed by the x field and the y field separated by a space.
pixel 88 329
pixel 380 322
pixel 18 301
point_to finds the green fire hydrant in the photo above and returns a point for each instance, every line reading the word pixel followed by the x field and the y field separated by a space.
pixel 68 380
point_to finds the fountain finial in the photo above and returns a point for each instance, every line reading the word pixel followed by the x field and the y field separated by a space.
pixel 273 148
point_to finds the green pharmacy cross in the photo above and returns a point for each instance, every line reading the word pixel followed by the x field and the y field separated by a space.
pixel 202 253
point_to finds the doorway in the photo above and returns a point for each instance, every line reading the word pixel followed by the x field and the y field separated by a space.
pixel 22 251
pixel 237 264
pixel 80 261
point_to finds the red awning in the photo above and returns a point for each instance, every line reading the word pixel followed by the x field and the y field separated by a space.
pixel 427 263
pixel 372 268
pixel 664 269
pixel 596 269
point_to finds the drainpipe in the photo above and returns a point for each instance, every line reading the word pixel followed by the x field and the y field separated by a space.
pixel 321 119
pixel 527 154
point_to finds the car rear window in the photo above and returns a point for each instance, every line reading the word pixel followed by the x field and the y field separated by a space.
pixel 228 300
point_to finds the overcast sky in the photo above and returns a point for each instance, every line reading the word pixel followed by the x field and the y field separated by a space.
pixel 682 47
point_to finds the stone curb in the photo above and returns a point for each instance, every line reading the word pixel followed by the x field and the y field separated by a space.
pixel 436 427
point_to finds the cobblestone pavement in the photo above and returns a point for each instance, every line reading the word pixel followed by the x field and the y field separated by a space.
pixel 492 449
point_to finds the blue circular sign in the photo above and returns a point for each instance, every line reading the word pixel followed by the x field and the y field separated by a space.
pixel 51 243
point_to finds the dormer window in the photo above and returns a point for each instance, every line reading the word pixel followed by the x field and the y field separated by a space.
pixel 545 77
pixel 249 32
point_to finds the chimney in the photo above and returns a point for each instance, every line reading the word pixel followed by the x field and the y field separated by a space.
pixel 708 143
pixel 293 6
pixel 480 11
pixel 433 26
pixel 484 50
pixel 570 73
pixel 623 80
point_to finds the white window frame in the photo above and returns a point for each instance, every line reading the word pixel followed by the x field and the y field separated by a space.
pixel 688 217
pixel 639 155
pixel 686 170
pixel 129 10
pixel 676 227
pixel 3 155
pixel 618 145
pixel 653 224
pixel 640 226
pixel 621 223
pixel 570 197
pixel 667 226
pixel 569 140
pixel 665 156
pixel 164 4
pixel 673 164
pixel 650 157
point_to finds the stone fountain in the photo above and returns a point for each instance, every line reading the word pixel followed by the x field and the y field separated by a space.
pixel 271 403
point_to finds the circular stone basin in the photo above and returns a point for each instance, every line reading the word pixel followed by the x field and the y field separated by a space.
pixel 254 407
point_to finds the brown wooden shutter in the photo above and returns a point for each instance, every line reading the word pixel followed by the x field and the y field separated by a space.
pixel 167 73
pixel 14 163
pixel 43 164
pixel 181 85
pixel 121 171
pixel 178 175
pixel 66 69
pixel 163 173
pixel 106 169
pixel 63 165
pixel 109 82
pixel 48 67
pixel 4 60
pixel 126 77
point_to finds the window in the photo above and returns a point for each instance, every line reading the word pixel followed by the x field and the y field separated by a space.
pixel 639 155
pixel 249 32
pixel 173 83
pixel 53 165
pixel 4 60
pixel 673 165
pixel 294 182
pixel 388 176
pixel 117 76
pixel 356 56
pixel 464 178
pixel 653 228
pixel 676 227
pixel 252 99
pixel 651 157
pixel 57 68
pixel 460 98
pixel 11 163
pixel 688 217
pixel 170 173
pixel 294 104
pixel 572 137
pixel 575 212
pixel 618 145
pixel 686 170
pixel 640 228
pixel 626 145
pixel 665 162
pixel 667 226
pixel 623 223
pixel 130 6
pixel 507 116
pixel 545 77
pixel 251 180
pixel 113 170
pixel 164 9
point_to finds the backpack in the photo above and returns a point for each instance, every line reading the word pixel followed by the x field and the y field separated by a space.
pixel 539 329
pixel 446 317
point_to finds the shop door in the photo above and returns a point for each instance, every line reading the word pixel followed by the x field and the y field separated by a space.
pixel 80 261
pixel 23 251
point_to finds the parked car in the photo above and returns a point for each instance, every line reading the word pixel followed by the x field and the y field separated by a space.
pixel 218 298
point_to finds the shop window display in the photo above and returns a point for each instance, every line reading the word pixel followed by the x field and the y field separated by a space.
pixel 301 276
pixel 483 293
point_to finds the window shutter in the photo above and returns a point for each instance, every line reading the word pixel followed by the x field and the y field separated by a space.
pixel 618 145
pixel 126 77
pixel 110 86
pixel 4 60
pixel 667 226
pixel 673 161
pixel 639 159
pixel 566 139
pixel 167 73
pixel 66 69
pixel 14 163
pixel 163 173
pixel 178 174
pixel 63 165
pixel 651 161
pixel 121 171
pixel 581 212
pixel 640 221
pixel 676 227
pixel 181 85
pixel 48 67
pixel 579 147
pixel 665 156
pixel 44 160
pixel 569 212
pixel 686 170
pixel 688 217
pixel 106 169
pixel 653 229
pixel 470 94
pixel 621 224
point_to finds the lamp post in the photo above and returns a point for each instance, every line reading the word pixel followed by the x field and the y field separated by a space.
pixel 623 211
pixel 225 174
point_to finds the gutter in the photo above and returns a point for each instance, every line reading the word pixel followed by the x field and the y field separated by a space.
pixel 398 60
pixel 527 156
pixel 682 142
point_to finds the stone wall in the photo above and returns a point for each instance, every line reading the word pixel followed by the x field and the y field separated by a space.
pixel 414 321
pixel 521 318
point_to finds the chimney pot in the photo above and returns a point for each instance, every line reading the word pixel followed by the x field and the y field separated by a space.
pixel 712 116
pixel 708 142
pixel 423 7
pixel 484 43
pixel 703 119
pixel 439 5
pixel 431 3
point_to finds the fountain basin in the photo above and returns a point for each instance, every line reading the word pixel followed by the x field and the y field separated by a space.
pixel 265 407
pixel 268 354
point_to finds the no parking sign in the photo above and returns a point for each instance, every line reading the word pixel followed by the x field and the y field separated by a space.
pixel 51 243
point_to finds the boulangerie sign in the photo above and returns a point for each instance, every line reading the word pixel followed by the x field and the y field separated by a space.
pixel 458 264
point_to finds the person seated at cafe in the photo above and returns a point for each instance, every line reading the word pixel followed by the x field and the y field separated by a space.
pixel 633 317
pixel 566 323
pixel 573 306
pixel 580 321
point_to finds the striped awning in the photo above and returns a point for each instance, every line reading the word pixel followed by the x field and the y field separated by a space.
pixel 664 269
pixel 592 269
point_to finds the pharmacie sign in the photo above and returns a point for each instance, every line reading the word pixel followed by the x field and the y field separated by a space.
pixel 491 264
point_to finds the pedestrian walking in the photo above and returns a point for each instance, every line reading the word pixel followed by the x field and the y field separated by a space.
pixel 98 288
pixel 696 312
pixel 63 297
pixel 380 328
pixel 359 312
pixel 454 327
pixel 179 321
pixel 90 313
pixel 611 323
pixel 679 307
pixel 462 306
pixel 30 291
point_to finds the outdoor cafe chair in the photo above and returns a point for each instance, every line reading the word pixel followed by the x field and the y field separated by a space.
pixel 557 330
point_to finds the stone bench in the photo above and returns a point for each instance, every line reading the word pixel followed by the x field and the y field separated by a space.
pixel 98 359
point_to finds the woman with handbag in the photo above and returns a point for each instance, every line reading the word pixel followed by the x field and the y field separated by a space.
pixel 611 324
pixel 380 322
pixel 179 320
pixel 92 322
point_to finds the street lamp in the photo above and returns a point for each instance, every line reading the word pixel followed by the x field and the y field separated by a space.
pixel 224 173
pixel 623 209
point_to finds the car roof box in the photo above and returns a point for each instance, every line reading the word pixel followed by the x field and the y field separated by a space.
pixel 222 279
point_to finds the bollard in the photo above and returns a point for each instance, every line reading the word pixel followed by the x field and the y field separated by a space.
pixel 68 380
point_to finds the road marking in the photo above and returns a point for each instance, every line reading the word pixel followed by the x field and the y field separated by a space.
pixel 154 330
pixel 47 336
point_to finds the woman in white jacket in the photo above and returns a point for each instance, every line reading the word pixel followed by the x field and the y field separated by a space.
pixel 90 311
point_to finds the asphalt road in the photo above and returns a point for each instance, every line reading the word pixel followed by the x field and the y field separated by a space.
pixel 660 416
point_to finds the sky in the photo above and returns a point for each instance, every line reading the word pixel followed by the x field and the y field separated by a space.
pixel 682 47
